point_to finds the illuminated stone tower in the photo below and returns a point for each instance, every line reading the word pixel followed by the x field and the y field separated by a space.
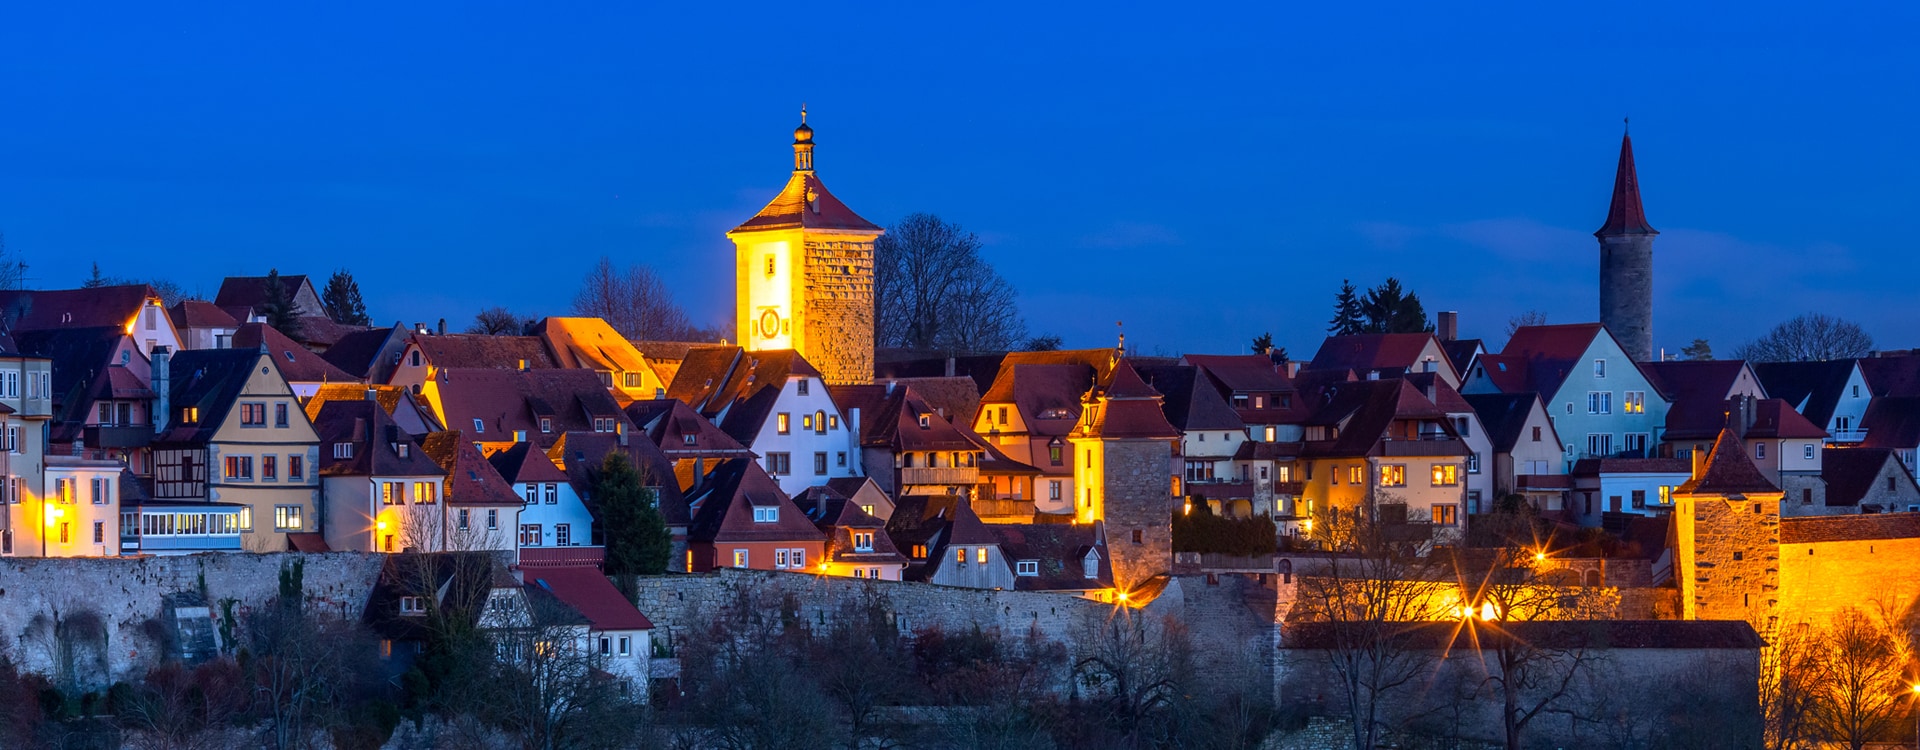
pixel 1726 538
pixel 805 276
pixel 1626 262
pixel 1123 451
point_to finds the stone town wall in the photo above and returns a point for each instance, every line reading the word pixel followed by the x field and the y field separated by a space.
pixel 126 594
pixel 1819 580
pixel 1138 499
pixel 838 309
pixel 679 604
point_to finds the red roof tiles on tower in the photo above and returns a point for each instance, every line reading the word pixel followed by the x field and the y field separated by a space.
pixel 1626 215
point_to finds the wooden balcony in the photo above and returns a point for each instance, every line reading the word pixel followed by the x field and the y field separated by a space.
pixel 945 475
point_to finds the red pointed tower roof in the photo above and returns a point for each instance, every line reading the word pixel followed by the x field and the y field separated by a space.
pixel 1626 215
pixel 1728 471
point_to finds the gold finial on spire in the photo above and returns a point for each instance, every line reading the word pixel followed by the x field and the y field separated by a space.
pixel 803 113
pixel 803 143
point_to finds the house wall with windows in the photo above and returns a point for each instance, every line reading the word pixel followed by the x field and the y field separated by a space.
pixel 1537 451
pixel 797 556
pixel 392 514
pixel 26 389
pixel 1646 493
pixel 794 444
pixel 1604 407
pixel 1432 487
pixel 974 566
pixel 265 457
pixel 81 508
pixel 553 516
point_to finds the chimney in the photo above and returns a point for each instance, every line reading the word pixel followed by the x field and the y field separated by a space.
pixel 853 425
pixel 1699 462
pixel 949 367
pixel 160 381
pixel 621 430
pixel 889 387
pixel 419 327
pixel 1448 326
pixel 361 431
pixel 372 394
pixel 659 394
pixel 443 326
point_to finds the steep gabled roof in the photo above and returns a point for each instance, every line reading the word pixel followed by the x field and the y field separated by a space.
pixel 725 508
pixel 1625 214
pixel 297 363
pixel 357 353
pixel 1042 389
pixel 506 401
pixel 250 292
pixel 1191 402
pixel 471 480
pixel 1774 418
pixel 377 443
pixel 1814 388
pixel 735 388
pixel 195 313
pixel 956 398
pixel 1127 408
pixel 99 307
pixel 587 591
pixel 1539 358
pixel 1363 411
pixel 1728 471
pixel 668 422
pixel 523 463
pixel 580 455
pixel 1850 473
pixel 805 203
pixel 1892 422
pixel 890 418
pixel 82 359
pixel 1709 381
pixel 1460 352
pixel 469 350
pixel 388 396
pixel 1058 549
pixel 589 343
pixel 1897 375
pixel 1373 352
pixel 1503 416
pixel 838 519
pixel 209 380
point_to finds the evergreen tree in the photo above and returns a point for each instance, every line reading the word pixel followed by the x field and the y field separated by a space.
pixel 1390 309
pixel 278 307
pixel 637 539
pixel 342 300
pixel 1262 343
pixel 1697 351
pixel 96 280
pixel 1347 318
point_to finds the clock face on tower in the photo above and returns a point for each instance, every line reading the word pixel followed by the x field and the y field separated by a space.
pixel 769 323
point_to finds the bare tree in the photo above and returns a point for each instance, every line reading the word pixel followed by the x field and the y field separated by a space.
pixel 13 271
pixel 744 681
pixel 308 669
pixel 1365 601
pixel 933 291
pixel 498 321
pixel 1812 337
pixel 634 301
pixel 548 684
pixel 1528 318
pixel 1793 671
pixel 182 708
pixel 1863 689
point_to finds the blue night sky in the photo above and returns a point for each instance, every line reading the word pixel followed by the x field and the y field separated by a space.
pixel 1204 175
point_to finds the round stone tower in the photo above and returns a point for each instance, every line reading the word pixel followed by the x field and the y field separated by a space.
pixel 1626 262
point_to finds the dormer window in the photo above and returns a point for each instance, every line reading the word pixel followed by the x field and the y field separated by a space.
pixel 863 541
pixel 1027 567
pixel 190 414
pixel 402 449
pixel 766 514
pixel 479 426
pixel 603 424
pixel 926 421
pixel 689 439
pixel 1090 565
pixel 413 606
pixel 343 450
pixel 546 424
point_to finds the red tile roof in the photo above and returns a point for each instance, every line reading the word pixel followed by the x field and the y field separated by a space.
pixel 471 480
pixel 1774 418
pixel 562 557
pixel 1036 389
pixel 1371 352
pixel 251 291
pixel 107 306
pixel 194 313
pixel 1127 408
pixel 297 363
pixel 466 350
pixel 524 463
pixel 723 512
pixel 506 401
pixel 588 592
pixel 1729 471
pixel 805 202
pixel 1191 402
pixel 1849 528
pixel 1850 473
pixel 1625 215
pixel 376 441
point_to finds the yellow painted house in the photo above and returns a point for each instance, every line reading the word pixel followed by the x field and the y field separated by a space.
pixel 235 466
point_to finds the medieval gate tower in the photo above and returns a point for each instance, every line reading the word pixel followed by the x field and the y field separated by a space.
pixel 1626 262
pixel 805 274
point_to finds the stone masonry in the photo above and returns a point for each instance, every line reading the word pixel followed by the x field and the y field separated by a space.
pixel 1626 292
pixel 1138 498
pixel 838 309
pixel 1736 560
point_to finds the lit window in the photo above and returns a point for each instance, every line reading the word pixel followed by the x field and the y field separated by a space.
pixel 739 558
pixel 980 555
pixel 1393 475
pixel 1446 514
pixel 783 423
pixel 960 555
pixel 425 493
pixel 287 518
pixel 1445 475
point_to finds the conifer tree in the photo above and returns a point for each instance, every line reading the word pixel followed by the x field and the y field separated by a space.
pixel 342 300
pixel 278 307
pixel 636 535
pixel 1390 309
pixel 1347 318
pixel 96 280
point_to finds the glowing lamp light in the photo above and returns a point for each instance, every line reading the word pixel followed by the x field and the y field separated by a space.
pixel 1489 612
pixel 54 514
pixel 382 525
pixel 1539 557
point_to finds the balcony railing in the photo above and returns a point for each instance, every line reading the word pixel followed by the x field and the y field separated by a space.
pixel 1853 435
pixel 1289 488
pixel 118 436
pixel 956 476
